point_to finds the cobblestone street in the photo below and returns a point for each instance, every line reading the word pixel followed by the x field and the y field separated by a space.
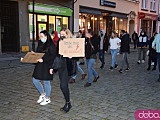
pixel 114 96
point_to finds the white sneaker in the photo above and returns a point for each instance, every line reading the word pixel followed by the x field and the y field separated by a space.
pixel 152 63
pixel 143 61
pixel 41 97
pixel 45 101
pixel 139 62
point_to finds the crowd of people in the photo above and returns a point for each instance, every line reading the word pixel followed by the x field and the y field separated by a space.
pixel 95 48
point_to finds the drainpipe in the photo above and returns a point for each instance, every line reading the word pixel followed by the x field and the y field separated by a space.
pixel 73 16
pixel 33 32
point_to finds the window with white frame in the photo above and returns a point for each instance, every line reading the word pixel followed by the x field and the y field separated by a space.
pixel 144 4
pixel 153 5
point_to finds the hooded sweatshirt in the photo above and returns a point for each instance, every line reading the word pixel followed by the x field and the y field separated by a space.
pixel 102 35
pixel 142 41
pixel 156 43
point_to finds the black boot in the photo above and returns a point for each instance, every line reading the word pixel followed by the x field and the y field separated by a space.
pixel 149 67
pixel 66 107
pixel 154 68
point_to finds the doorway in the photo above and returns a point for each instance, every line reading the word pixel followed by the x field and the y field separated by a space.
pixel 10 26
pixel 131 27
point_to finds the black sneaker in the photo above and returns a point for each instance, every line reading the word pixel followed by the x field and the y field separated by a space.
pixel 154 68
pixel 148 68
pixel 116 66
pixel 120 70
pixel 111 68
pixel 138 62
pixel 81 63
pixel 102 66
pixel 127 69
pixel 87 84
pixel 95 79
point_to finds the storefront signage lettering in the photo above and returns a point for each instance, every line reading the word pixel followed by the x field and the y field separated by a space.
pixel 107 3
pixel 50 9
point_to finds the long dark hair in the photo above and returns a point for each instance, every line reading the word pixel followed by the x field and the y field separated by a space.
pixel 49 39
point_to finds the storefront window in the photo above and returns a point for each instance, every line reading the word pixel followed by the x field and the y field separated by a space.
pixel 42 18
pixel 65 22
pixel 119 24
pixel 51 23
pixel 58 23
pixel 31 26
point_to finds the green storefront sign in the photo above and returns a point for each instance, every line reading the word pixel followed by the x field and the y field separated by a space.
pixel 49 9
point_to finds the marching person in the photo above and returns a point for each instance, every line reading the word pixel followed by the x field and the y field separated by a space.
pixel 73 79
pixel 41 71
pixel 55 37
pixel 135 39
pixel 142 46
pixel 125 49
pixel 114 45
pixel 66 70
pixel 91 49
pixel 156 46
pixel 152 54
pixel 103 47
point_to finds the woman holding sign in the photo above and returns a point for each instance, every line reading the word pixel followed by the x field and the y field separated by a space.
pixel 66 68
pixel 41 70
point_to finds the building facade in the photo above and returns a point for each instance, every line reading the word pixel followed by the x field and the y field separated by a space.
pixel 17 21
pixel 104 14
pixel 158 17
pixel 148 16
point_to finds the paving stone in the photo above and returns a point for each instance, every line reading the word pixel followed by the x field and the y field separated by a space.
pixel 114 96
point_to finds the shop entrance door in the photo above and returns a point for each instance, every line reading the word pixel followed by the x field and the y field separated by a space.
pixel 40 27
pixel 9 26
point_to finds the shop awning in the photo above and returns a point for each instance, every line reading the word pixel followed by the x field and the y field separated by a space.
pixel 90 10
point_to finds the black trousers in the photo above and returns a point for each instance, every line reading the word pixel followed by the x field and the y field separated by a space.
pixel 152 58
pixel 64 79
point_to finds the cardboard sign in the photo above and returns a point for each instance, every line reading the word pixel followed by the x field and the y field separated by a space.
pixel 72 47
pixel 32 57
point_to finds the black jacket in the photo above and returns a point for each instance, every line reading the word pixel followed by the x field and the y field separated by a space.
pixel 89 50
pixel 125 39
pixel 41 70
pixel 134 36
pixel 152 52
pixel 105 43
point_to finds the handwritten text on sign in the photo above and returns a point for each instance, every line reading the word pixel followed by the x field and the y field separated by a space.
pixel 72 47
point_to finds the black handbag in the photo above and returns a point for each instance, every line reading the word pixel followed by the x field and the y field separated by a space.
pixel 71 66
pixel 57 63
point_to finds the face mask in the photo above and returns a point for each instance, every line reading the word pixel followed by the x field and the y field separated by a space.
pixel 43 40
pixel 62 37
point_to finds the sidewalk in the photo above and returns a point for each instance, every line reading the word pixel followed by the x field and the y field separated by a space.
pixel 10 59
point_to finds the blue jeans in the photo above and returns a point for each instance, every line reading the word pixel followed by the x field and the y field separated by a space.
pixel 46 89
pixel 124 60
pixel 114 54
pixel 101 56
pixel 91 71
pixel 79 69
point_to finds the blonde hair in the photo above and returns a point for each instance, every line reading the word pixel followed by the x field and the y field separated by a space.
pixel 68 32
